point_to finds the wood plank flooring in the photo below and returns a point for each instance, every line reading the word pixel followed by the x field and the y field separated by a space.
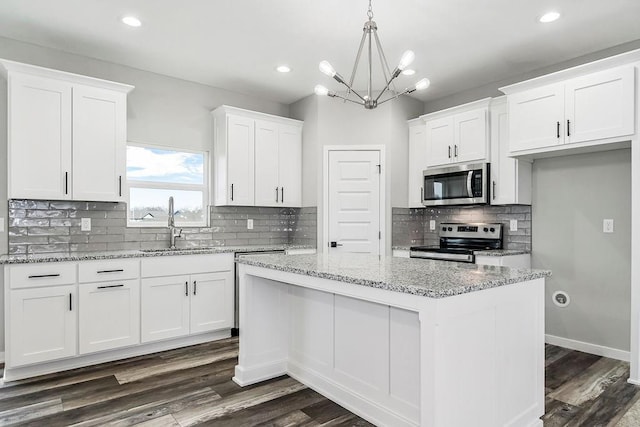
pixel 192 387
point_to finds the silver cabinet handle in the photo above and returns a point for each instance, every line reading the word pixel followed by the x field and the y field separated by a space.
pixel 276 194
pixel 119 270
pixel 421 194
pixel 120 185
pixel 186 289
pixel 110 286
pixel 195 287
pixel 449 151
pixel 40 276
pixel 455 150
pixel 494 191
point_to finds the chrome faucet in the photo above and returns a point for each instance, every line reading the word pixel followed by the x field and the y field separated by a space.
pixel 172 226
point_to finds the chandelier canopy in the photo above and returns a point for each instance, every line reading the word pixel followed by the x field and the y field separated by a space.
pixel 369 36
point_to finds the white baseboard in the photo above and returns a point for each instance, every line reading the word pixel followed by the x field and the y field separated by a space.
pixel 598 350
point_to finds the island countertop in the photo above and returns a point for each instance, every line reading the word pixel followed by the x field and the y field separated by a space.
pixel 429 278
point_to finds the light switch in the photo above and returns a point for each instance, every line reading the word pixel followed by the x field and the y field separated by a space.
pixel 513 225
pixel 249 224
pixel 432 224
pixel 85 224
pixel 607 226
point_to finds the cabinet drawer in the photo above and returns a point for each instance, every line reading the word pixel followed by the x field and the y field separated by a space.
pixel 185 264
pixel 106 270
pixel 44 274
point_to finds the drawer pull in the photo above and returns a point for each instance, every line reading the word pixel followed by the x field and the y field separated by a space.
pixel 119 270
pixel 186 289
pixel 195 284
pixel 40 276
pixel 70 302
pixel 110 286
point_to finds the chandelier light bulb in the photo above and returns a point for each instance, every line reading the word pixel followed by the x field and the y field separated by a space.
pixel 423 84
pixel 321 90
pixel 327 69
pixel 406 60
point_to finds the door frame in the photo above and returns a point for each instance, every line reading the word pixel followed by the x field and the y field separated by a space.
pixel 327 149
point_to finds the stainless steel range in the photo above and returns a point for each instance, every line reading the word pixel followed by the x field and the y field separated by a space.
pixel 459 241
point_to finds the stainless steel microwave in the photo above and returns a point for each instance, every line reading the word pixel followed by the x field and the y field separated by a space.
pixel 456 185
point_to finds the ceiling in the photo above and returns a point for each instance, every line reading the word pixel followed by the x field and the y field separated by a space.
pixel 236 44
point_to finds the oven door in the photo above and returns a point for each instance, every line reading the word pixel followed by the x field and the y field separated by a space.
pixel 456 185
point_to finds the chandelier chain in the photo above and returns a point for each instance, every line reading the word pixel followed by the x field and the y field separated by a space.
pixel 370 11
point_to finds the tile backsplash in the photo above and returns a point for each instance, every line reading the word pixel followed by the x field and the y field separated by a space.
pixel 411 226
pixel 37 226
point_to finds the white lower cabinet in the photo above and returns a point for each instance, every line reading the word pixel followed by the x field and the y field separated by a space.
pixel 42 324
pixel 109 315
pixel 198 299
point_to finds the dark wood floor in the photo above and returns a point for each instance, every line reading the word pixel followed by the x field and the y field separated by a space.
pixel 192 386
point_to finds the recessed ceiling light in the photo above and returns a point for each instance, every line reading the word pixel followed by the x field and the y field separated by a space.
pixel 283 69
pixel 549 17
pixel 408 72
pixel 131 21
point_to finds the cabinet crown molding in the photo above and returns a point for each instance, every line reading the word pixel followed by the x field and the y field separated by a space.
pixel 627 58
pixel 482 103
pixel 7 67
pixel 256 115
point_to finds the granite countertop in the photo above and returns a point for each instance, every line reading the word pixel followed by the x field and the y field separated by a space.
pixel 430 278
pixel 488 252
pixel 84 256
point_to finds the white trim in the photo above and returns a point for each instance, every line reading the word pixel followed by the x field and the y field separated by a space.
pixel 325 191
pixel 598 350
pixel 481 103
pixel 256 115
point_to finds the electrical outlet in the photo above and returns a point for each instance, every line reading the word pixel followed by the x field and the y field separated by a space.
pixel 85 224
pixel 607 226
pixel 249 224
pixel 1 225
pixel 432 224
pixel 513 225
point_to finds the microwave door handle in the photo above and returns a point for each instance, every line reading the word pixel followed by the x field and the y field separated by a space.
pixel 469 181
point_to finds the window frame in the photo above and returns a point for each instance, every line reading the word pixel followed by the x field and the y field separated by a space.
pixel 205 187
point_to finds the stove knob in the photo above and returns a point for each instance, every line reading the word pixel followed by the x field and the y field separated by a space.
pixel 486 229
pixel 450 229
pixel 492 229
pixel 444 228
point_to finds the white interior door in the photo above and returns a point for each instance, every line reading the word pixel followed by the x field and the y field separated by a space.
pixel 354 201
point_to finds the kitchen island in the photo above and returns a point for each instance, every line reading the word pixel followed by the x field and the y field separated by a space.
pixel 400 342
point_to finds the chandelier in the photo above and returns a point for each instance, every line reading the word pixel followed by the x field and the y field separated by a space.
pixel 369 36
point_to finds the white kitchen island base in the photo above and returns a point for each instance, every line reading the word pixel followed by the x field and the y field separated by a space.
pixel 397 359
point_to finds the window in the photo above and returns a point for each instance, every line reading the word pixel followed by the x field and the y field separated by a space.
pixel 154 174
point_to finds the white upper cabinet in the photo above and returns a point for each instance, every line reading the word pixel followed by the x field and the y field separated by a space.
pixel 257 159
pixel 510 177
pixel 458 135
pixel 579 110
pixel 417 162
pixel 67 135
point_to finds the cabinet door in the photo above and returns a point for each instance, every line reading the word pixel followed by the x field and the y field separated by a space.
pixel 600 105
pixel 290 166
pixel 536 118
pixel 439 141
pixel 39 138
pixel 211 301
pixel 240 160
pixel 109 314
pixel 470 136
pixel 267 191
pixel 42 324
pixel 165 307
pixel 99 144
pixel 417 164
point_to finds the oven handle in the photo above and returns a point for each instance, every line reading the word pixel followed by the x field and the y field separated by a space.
pixel 469 181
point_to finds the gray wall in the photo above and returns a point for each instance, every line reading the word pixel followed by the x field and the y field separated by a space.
pixel 571 197
pixel 161 110
pixel 328 121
